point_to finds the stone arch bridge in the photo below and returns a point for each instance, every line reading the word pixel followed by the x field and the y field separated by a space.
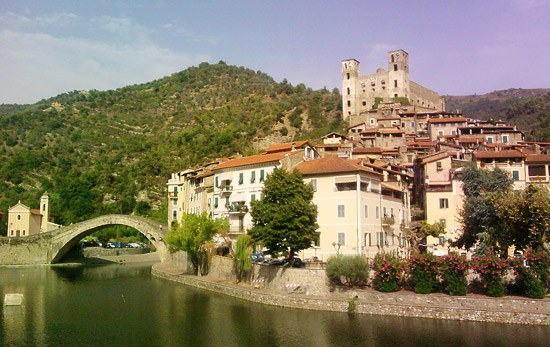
pixel 51 247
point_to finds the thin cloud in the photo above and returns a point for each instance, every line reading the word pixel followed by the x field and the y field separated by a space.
pixel 38 65
pixel 181 31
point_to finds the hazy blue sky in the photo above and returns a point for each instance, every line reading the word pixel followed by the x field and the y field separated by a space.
pixel 455 47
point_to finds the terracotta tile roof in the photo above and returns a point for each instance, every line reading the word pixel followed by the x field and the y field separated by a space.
pixel 356 125
pixel 369 150
pixel 499 154
pixel 332 133
pixel 35 211
pixel 370 130
pixel 332 164
pixel 447 120
pixel 538 158
pixel 254 159
pixel 392 131
pixel 471 140
pixel 285 147
pixel 408 113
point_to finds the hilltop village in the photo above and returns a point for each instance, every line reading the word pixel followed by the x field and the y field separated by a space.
pixel 398 163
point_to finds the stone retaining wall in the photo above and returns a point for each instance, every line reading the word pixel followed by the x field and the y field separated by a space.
pixel 103 252
pixel 517 310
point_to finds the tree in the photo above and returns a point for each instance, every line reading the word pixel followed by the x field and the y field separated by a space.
pixel 285 220
pixel 526 216
pixel 479 218
pixel 243 256
pixel 193 235
pixel 426 229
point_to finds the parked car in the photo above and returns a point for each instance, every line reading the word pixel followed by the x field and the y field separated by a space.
pixel 284 262
pixel 258 258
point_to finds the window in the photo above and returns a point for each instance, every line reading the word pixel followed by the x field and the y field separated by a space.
pixel 453 132
pixel 372 121
pixel 18 217
pixel 262 175
pixel 380 238
pixel 252 176
pixel 440 132
pixel 439 166
pixel 444 203
pixel 174 214
pixel 209 202
pixel 253 197
pixel 367 240
pixel 341 239
pixel 175 202
pixel 395 83
pixel 403 125
pixel 505 138
pixel 227 201
pixel 377 212
pixel 348 75
pixel 489 139
pixel 349 103
pixel 412 124
pixel 341 211
pixel 241 178
pixel 215 202
pixel 444 222
pixel 364 103
pixel 366 211
pixel 313 183
pixel 317 239
pixel 395 68
pixel 349 91
pixel 441 240
pixel 217 183
pixel 515 175
pixel 175 191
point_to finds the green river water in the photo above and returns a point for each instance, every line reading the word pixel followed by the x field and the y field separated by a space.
pixel 124 305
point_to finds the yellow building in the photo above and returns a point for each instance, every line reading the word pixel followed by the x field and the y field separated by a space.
pixel 24 221
pixel 358 213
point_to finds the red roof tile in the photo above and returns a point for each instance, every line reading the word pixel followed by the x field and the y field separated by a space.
pixel 447 120
pixel 255 159
pixel 499 154
pixel 538 158
pixel 331 164
pixel 369 150
pixel 285 147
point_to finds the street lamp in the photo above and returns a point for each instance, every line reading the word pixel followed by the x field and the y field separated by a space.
pixel 336 247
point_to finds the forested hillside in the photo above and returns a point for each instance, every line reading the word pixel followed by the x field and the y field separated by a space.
pixel 112 151
pixel 529 109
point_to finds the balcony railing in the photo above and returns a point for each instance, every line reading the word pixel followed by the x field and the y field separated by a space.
pixel 388 220
pixel 173 194
pixel 237 208
pixel 226 188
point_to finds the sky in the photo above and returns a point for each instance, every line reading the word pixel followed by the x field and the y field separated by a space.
pixel 462 47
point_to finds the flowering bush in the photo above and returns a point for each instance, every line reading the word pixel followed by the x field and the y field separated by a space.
pixel 532 273
pixel 424 269
pixel 354 269
pixel 491 269
pixel 454 269
pixel 388 271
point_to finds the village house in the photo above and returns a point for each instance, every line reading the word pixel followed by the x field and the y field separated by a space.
pixel 24 221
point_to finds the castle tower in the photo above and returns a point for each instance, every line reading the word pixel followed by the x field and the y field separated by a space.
pixel 398 74
pixel 350 76
pixel 45 212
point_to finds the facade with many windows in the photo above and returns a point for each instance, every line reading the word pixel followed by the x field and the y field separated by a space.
pixel 358 213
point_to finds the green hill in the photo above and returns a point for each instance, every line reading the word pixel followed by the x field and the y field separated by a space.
pixel 112 151
pixel 529 109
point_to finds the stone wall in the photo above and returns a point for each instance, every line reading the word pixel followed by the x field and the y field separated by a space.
pixel 403 304
pixel 102 252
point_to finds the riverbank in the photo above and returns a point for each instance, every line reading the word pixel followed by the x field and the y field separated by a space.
pixel 477 308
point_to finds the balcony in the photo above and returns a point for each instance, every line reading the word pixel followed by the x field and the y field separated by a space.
pixel 388 220
pixel 226 188
pixel 173 194
pixel 237 208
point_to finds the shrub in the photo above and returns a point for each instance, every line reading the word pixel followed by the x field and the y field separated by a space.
pixel 354 269
pixel 388 270
pixel 423 269
pixel 532 272
pixel 491 269
pixel 454 269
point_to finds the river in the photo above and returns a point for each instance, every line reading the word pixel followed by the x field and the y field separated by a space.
pixel 123 305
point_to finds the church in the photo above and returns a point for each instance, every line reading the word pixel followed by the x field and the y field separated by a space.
pixel 24 221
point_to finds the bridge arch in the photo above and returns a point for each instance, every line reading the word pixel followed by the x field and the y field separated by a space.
pixel 62 240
